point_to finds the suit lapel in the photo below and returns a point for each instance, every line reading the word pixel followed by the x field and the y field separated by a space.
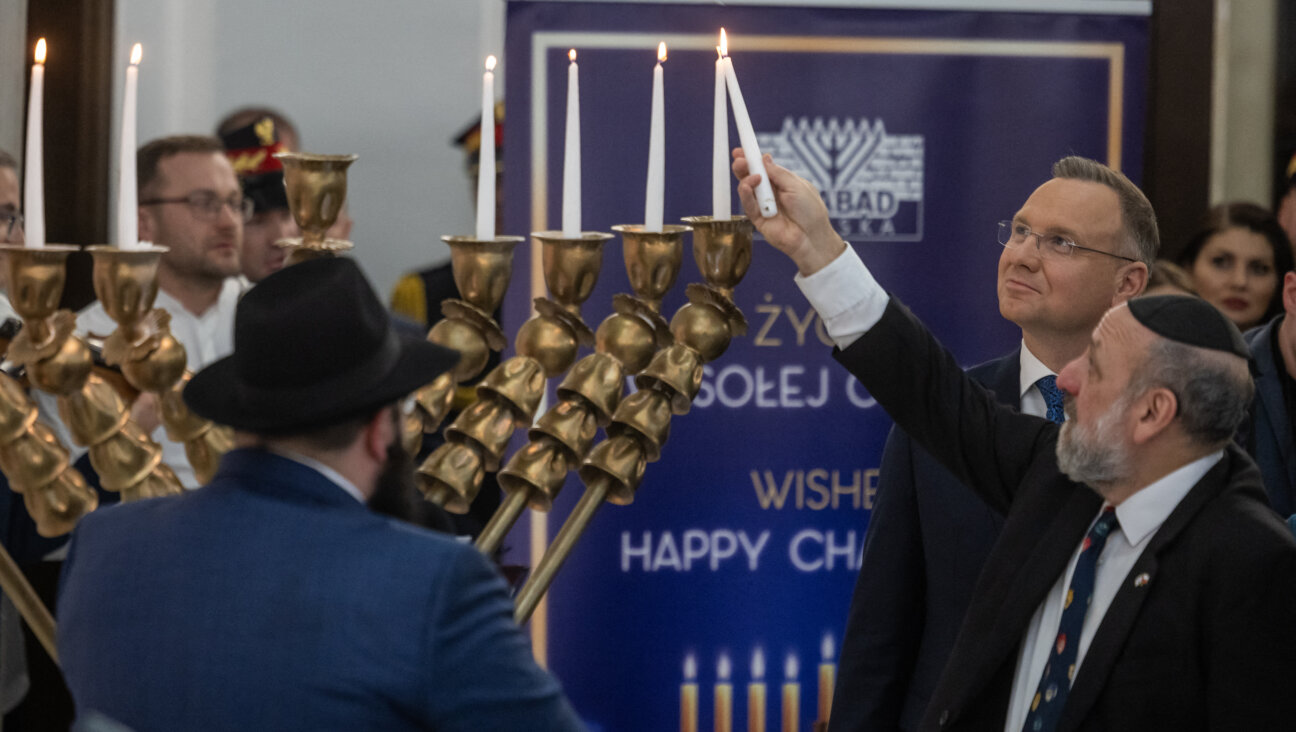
pixel 1045 562
pixel 1110 638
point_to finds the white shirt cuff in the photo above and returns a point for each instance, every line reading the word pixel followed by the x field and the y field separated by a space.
pixel 846 296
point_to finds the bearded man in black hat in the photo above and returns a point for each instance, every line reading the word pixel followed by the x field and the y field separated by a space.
pixel 1141 581
pixel 272 598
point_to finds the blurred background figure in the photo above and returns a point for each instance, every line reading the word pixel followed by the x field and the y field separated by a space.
pixel 1168 278
pixel 1237 261
pixel 1286 208
pixel 251 138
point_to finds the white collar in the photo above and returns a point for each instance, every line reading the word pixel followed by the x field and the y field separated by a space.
pixel 324 470
pixel 1031 370
pixel 1143 512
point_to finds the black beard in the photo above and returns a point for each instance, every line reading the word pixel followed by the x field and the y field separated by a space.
pixel 396 495
pixel 394 488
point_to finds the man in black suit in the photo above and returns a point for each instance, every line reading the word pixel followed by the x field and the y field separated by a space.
pixel 1140 581
pixel 929 534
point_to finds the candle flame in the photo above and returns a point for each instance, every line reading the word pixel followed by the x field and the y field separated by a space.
pixel 758 664
pixel 723 667
pixel 572 55
pixel 826 648
pixel 137 54
pixel 490 62
pixel 790 668
pixel 724 43
pixel 661 51
pixel 690 667
pixel 40 51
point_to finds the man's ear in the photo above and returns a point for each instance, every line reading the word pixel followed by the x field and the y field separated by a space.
pixel 379 434
pixel 1289 292
pixel 145 224
pixel 1131 280
pixel 1155 410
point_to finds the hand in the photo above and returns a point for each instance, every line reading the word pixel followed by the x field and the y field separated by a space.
pixel 801 229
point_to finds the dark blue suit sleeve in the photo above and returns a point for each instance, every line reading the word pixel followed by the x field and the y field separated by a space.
pixel 481 674
pixel 884 626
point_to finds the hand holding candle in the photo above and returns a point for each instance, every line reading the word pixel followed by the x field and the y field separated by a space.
pixel 571 205
pixel 653 200
pixel 486 156
pixel 747 136
pixel 127 206
pixel 34 179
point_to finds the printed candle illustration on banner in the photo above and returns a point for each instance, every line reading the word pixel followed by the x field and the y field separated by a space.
pixel 689 696
pixel 127 207
pixel 571 203
pixel 756 693
pixel 34 180
pixel 747 137
pixel 827 677
pixel 486 156
pixel 723 696
pixel 721 203
pixel 791 695
pixel 656 189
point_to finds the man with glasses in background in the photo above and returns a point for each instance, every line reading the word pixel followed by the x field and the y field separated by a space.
pixel 1080 244
pixel 190 202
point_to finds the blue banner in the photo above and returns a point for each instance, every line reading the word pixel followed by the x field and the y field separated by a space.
pixel 922 129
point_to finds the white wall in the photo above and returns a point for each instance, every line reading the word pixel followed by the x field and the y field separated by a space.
pixel 389 80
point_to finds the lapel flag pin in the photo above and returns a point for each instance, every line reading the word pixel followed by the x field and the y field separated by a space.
pixel 1142 579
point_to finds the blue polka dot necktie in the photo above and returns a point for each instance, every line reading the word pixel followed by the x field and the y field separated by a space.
pixel 1055 683
pixel 1052 398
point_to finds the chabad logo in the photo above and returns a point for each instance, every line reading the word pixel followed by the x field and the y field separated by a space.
pixel 872 182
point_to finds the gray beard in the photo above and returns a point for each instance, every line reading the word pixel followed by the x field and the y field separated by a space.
pixel 1096 456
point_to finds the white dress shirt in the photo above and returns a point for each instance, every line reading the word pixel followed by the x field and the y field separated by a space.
pixel 850 302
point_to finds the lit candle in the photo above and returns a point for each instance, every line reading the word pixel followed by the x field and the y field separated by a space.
pixel 486 156
pixel 689 696
pixel 747 137
pixel 34 180
pixel 791 695
pixel 827 674
pixel 723 697
pixel 656 150
pixel 127 208
pixel 571 216
pixel 756 693
pixel 721 203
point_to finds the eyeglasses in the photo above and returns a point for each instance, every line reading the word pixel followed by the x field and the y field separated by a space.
pixel 1052 246
pixel 9 222
pixel 206 206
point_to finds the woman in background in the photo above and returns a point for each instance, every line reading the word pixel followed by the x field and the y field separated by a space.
pixel 1238 260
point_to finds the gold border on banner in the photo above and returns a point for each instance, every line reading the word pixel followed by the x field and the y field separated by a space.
pixel 544 41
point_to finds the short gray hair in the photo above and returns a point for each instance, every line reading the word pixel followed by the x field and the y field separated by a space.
pixel 1137 217
pixel 7 160
pixel 1213 388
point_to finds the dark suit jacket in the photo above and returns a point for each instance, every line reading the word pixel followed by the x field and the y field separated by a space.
pixel 271 599
pixel 1206 641
pixel 928 537
pixel 1270 438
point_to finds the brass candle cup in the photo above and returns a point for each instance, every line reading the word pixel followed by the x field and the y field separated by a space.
pixel 126 282
pixel 482 268
pixel 571 265
pixel 722 249
pixel 652 259
pixel 36 276
pixel 316 187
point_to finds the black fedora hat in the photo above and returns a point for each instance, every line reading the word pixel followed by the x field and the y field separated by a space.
pixel 313 346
